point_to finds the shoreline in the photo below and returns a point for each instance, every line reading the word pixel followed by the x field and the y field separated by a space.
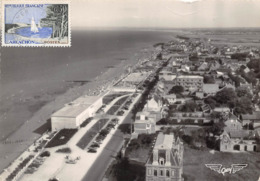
pixel 39 118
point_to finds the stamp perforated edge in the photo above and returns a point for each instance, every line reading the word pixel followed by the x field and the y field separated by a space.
pixel 2 24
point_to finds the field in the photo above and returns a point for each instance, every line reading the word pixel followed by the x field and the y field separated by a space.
pixel 194 165
pixel 231 38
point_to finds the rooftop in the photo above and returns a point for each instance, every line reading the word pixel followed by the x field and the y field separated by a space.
pixel 190 77
pixel 208 88
pixel 76 107
pixel 70 110
pixel 238 134
pixel 164 141
pixel 255 116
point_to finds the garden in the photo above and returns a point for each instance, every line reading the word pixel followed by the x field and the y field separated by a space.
pixel 85 140
pixel 61 138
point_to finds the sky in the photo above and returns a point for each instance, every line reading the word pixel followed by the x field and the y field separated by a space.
pixel 24 15
pixel 165 13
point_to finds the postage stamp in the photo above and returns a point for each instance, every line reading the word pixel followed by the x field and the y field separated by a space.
pixel 36 23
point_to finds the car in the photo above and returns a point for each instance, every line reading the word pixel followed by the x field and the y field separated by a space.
pixel 54 179
pixel 95 145
pixel 99 141
pixel 92 150
pixel 71 161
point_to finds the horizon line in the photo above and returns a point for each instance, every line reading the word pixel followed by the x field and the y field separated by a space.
pixel 156 28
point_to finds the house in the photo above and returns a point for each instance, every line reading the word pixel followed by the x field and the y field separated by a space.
pixel 170 99
pixel 166 161
pixel 237 141
pixel 233 124
pixel 204 66
pixel 154 104
pixel 253 119
pixel 167 75
pixel 234 138
pixel 145 122
pixel 165 86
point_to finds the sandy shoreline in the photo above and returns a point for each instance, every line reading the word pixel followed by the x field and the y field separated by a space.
pixel 19 140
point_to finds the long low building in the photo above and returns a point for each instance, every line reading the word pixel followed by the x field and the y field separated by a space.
pixel 74 113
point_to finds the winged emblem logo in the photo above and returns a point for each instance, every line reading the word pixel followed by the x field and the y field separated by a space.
pixel 222 170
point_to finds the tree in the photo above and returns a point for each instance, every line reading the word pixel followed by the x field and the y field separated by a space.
pixel 211 102
pixel 59 12
pixel 189 106
pixel 243 91
pixel 208 79
pixel 243 106
pixel 226 96
pixel 198 137
pixel 176 89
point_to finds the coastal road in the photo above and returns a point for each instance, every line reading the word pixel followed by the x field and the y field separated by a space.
pixel 98 169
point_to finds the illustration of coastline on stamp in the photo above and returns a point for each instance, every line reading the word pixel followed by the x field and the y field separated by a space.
pixel 35 24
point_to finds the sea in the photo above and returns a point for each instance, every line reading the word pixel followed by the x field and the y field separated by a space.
pixel 31 72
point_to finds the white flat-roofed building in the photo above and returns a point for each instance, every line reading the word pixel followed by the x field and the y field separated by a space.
pixel 74 113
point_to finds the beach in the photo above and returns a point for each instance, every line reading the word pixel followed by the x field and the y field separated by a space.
pixel 29 97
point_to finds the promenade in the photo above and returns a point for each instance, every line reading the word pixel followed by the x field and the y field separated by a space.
pixel 56 166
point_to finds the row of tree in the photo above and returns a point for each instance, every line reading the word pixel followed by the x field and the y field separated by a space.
pixel 240 100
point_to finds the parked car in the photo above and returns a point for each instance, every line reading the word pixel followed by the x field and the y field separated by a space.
pixel 95 145
pixel 54 179
pixel 92 150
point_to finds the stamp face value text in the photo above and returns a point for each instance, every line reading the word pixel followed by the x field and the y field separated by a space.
pixel 42 23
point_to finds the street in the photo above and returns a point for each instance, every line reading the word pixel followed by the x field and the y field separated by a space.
pixel 98 169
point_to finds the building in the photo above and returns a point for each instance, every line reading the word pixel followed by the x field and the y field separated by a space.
pixel 145 122
pixel 242 140
pixel 234 138
pixel 166 161
pixel 167 74
pixel 190 82
pixel 164 86
pixel 233 124
pixel 72 115
pixel 251 119
pixel 154 104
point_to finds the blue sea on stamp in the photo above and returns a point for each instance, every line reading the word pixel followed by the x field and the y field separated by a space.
pixel 44 32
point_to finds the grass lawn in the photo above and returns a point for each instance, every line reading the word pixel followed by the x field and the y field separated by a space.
pixel 113 110
pixel 194 165
pixel 140 149
pixel 84 141
pixel 117 105
pixel 62 137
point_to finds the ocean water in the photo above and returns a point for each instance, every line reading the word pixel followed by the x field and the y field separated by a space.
pixel 27 73
pixel 44 32
pixel 90 54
